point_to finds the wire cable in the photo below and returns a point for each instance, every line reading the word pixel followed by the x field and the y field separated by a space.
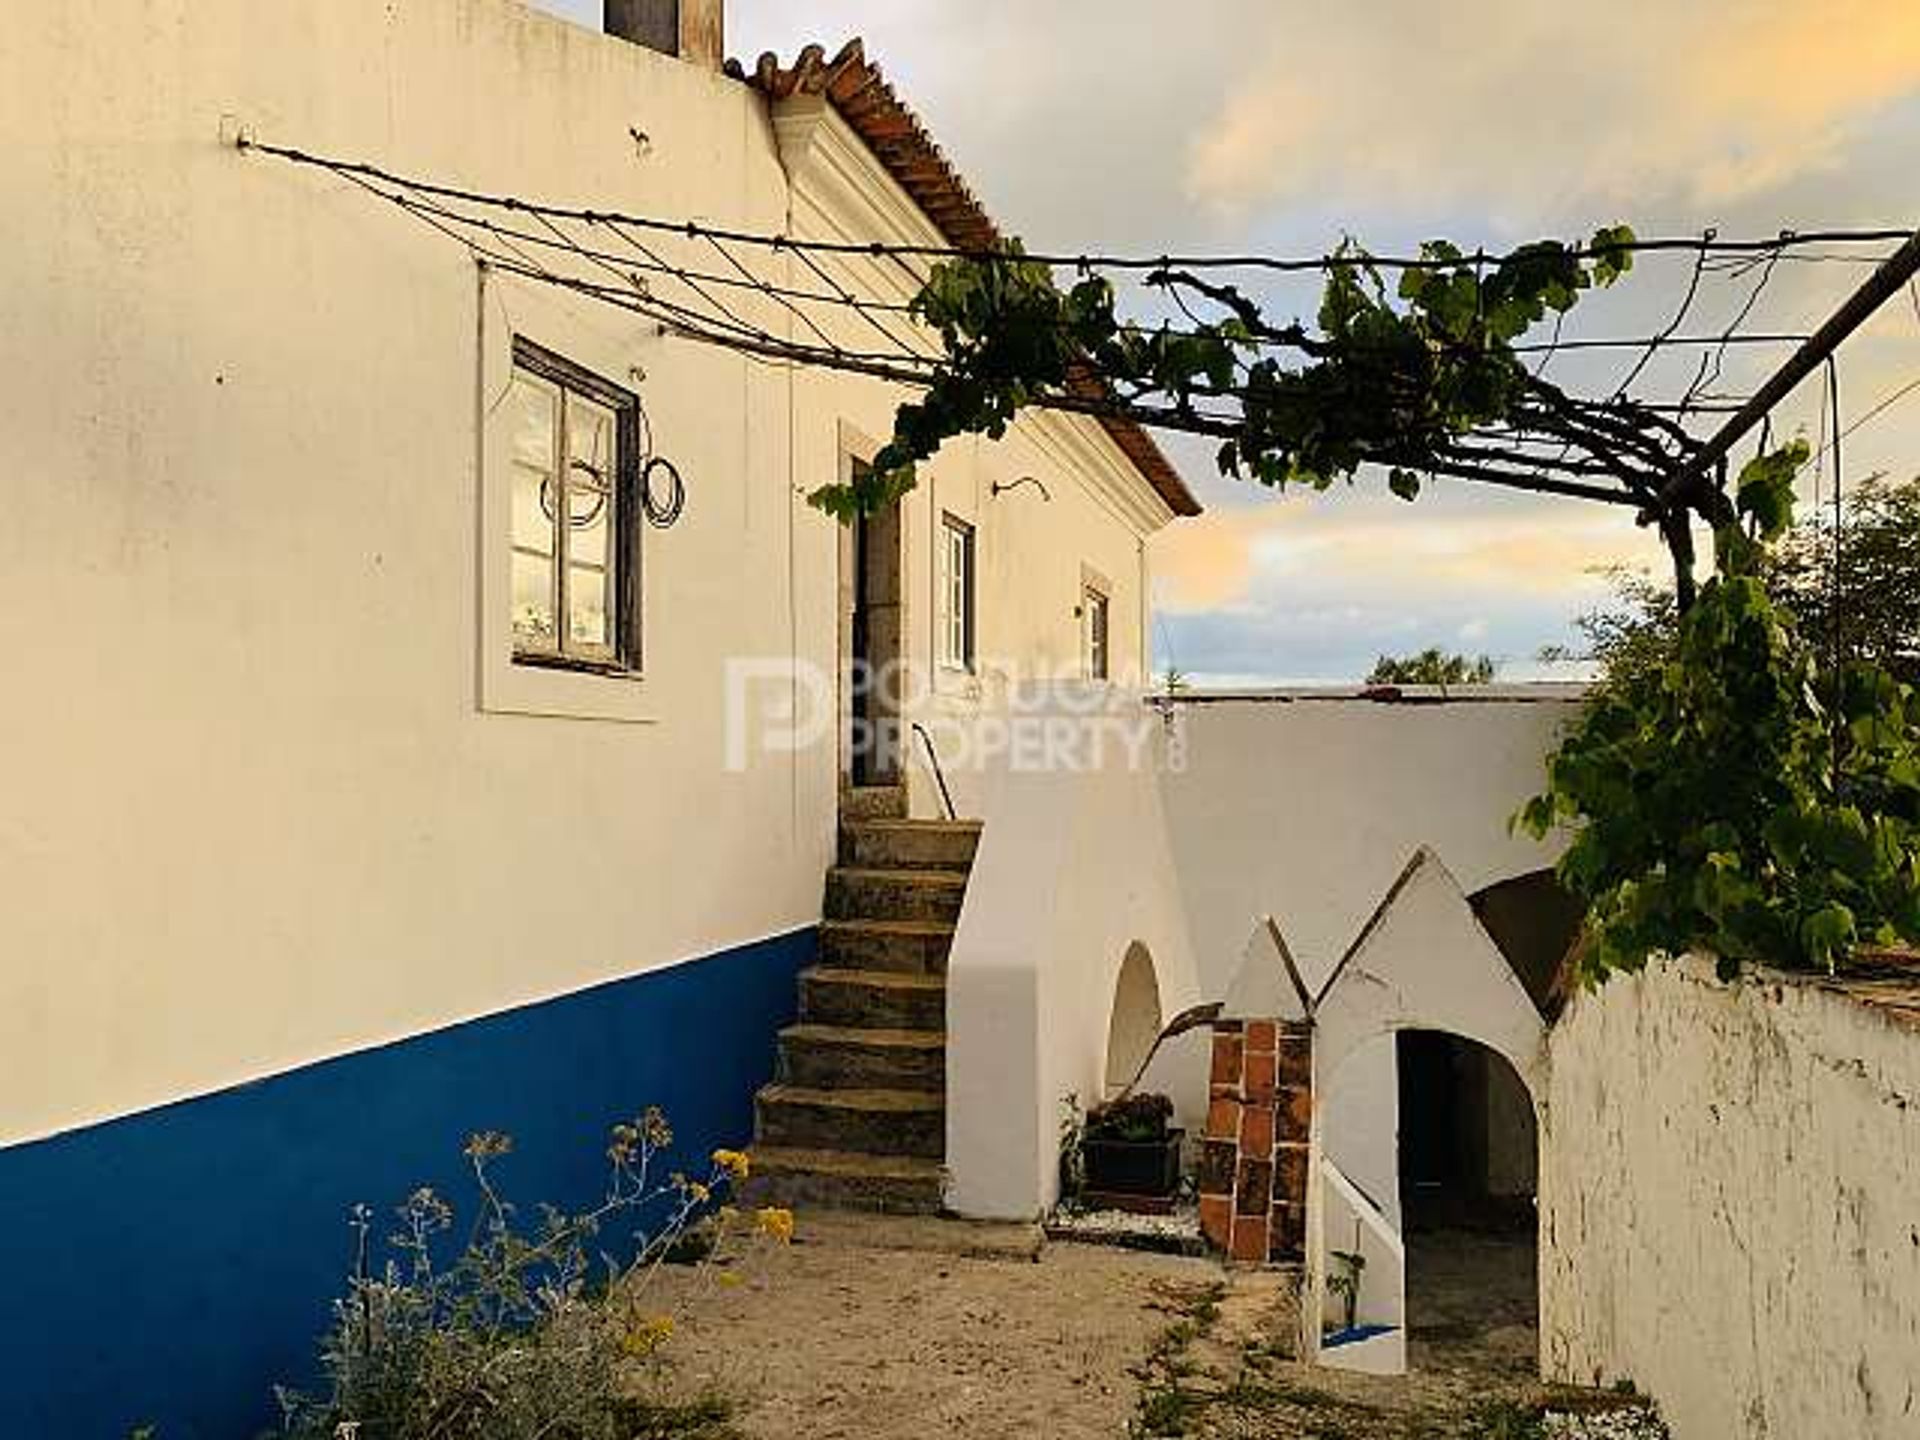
pixel 1785 240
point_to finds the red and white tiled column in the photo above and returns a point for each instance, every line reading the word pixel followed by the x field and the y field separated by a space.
pixel 1253 1160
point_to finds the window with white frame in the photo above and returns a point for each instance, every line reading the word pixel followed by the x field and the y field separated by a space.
pixel 1094 650
pixel 574 438
pixel 956 593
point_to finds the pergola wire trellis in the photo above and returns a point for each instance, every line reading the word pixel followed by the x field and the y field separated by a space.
pixel 846 306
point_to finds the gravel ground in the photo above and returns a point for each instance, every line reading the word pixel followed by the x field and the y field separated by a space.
pixel 1175 1234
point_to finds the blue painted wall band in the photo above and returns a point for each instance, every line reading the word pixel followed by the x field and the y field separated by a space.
pixel 167 1268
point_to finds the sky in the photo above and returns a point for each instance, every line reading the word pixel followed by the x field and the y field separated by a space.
pixel 1282 126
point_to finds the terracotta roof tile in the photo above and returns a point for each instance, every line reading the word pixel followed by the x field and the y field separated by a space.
pixel 890 129
pixel 1887 980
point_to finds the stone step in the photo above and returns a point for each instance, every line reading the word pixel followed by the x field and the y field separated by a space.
pixel 860 893
pixel 910 844
pixel 841 1180
pixel 873 802
pixel 866 1122
pixel 831 1057
pixel 873 999
pixel 911 947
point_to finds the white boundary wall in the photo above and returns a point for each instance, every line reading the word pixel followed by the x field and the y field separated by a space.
pixel 1729 1184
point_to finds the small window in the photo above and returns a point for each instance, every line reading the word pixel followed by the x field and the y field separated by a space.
pixel 572 452
pixel 1093 633
pixel 956 593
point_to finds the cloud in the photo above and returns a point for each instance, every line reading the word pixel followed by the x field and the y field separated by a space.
pixel 1208 562
pixel 1279 125
pixel 1507 102
pixel 1229 559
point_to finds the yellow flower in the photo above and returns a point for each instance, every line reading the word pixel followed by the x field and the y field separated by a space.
pixel 699 1193
pixel 775 1223
pixel 624 1144
pixel 736 1164
pixel 648 1336
pixel 488 1143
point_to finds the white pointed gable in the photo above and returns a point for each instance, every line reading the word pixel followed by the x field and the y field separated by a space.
pixel 1424 962
pixel 1267 984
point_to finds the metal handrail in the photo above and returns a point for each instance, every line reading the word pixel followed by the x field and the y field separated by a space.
pixel 933 755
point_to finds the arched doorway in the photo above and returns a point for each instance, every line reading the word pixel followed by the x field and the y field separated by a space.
pixel 1136 1019
pixel 1428 1052
pixel 1469 1174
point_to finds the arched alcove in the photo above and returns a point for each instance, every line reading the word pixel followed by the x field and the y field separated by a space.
pixel 1469 1151
pixel 1428 1149
pixel 1468 1160
pixel 1136 1018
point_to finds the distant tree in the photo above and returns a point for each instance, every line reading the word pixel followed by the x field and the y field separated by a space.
pixel 1432 666
pixel 1631 635
pixel 1874 592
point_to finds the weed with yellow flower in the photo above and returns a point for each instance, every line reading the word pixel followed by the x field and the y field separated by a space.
pixel 776 1224
pixel 513 1336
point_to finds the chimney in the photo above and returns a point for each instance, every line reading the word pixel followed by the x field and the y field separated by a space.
pixel 694 30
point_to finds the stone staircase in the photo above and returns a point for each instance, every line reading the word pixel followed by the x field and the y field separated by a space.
pixel 856 1117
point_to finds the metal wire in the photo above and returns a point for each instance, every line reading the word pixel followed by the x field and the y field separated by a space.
pixel 1618 450
pixel 1786 240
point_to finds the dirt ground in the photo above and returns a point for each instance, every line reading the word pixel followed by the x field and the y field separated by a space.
pixel 843 1336
pixel 873 1330
pixel 1472 1352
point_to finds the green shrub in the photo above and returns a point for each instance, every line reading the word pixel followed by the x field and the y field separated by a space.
pixel 529 1333
pixel 1139 1119
pixel 1738 794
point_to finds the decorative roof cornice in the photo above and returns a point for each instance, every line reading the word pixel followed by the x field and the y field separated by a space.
pixel 861 95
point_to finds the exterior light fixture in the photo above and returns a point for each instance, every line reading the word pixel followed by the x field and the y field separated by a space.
pixel 999 486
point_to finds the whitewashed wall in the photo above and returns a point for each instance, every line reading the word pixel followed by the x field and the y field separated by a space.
pixel 1729 1181
pixel 1087 520
pixel 1306 805
pixel 1301 806
pixel 261 749
pixel 1072 871
pixel 247 764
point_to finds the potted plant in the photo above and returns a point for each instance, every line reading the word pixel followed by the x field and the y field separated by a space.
pixel 1130 1148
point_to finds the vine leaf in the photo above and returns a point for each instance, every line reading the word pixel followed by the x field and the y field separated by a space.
pixel 1745 797
pixel 1397 378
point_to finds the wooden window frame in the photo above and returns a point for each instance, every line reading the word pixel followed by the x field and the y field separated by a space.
pixel 624 656
pixel 1096 631
pixel 957 532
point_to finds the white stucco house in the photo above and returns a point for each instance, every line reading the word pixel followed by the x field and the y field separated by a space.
pixel 367 769
pixel 387 759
